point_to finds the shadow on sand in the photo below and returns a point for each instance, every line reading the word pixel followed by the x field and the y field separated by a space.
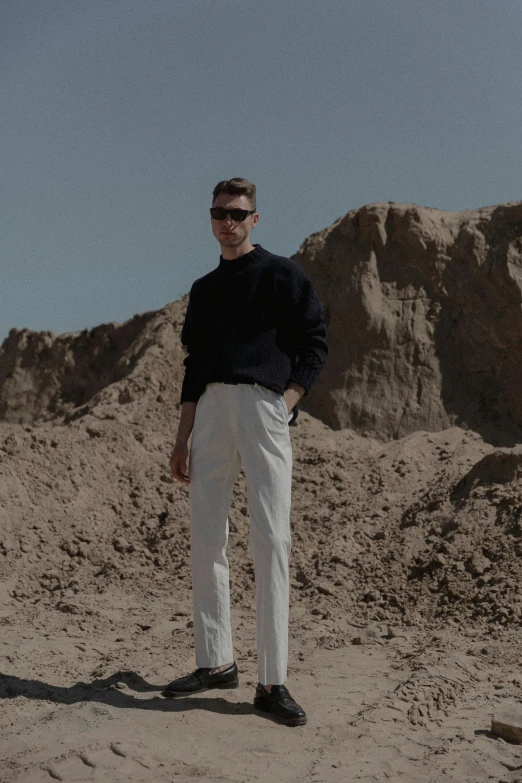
pixel 107 691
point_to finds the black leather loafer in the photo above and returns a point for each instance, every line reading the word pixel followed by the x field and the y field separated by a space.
pixel 280 704
pixel 202 680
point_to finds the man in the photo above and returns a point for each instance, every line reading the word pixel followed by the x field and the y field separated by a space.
pixel 255 338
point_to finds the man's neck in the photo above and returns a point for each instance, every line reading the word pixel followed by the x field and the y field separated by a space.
pixel 230 253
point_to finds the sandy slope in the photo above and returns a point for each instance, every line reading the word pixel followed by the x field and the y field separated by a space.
pixel 407 555
pixel 95 612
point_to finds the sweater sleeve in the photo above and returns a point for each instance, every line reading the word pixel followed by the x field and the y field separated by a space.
pixel 310 334
pixel 189 390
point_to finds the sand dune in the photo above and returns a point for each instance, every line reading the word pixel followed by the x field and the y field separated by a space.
pixel 406 563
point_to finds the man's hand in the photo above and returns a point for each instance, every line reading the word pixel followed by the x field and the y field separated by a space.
pixel 179 456
pixel 179 462
pixel 292 395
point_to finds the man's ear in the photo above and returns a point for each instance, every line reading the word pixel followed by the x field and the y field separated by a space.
pixel 255 218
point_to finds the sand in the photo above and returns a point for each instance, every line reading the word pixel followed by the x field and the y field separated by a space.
pixel 95 612
pixel 407 533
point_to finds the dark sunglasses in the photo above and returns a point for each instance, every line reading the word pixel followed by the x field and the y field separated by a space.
pixel 238 215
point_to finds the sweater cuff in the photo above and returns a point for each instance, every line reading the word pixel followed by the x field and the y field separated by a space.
pixel 189 392
pixel 188 398
pixel 305 376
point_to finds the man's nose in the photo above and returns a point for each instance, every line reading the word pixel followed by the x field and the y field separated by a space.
pixel 228 218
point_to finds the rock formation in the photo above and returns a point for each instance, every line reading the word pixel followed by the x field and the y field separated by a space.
pixel 424 313
pixel 45 376
pixel 425 321
pixel 425 329
pixel 411 546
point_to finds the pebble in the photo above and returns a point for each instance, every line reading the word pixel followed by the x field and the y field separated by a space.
pixel 325 589
pixel 121 544
pixel 507 723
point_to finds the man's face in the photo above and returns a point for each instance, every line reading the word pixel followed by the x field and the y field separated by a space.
pixel 228 232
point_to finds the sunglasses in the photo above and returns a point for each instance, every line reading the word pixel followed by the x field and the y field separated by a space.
pixel 238 215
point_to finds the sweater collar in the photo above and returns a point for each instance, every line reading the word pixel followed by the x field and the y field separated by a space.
pixel 235 264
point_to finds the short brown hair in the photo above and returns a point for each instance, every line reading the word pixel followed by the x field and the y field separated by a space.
pixel 236 187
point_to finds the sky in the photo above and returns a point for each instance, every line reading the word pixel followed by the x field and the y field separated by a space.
pixel 118 117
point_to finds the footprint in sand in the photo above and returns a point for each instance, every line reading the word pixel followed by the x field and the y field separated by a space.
pixel 116 762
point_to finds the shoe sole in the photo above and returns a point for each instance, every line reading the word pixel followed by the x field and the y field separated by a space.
pixel 223 686
pixel 262 705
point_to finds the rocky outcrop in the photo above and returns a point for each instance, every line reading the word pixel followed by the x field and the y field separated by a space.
pixel 45 376
pixel 424 319
pixel 424 328
pixel 424 313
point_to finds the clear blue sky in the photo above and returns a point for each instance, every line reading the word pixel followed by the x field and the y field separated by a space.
pixel 118 117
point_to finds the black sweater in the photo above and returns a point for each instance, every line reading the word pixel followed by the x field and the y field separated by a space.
pixel 255 319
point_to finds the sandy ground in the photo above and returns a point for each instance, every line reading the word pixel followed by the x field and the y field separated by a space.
pixel 415 707
pixel 405 603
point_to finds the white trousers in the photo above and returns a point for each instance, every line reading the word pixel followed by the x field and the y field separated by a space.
pixel 241 424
